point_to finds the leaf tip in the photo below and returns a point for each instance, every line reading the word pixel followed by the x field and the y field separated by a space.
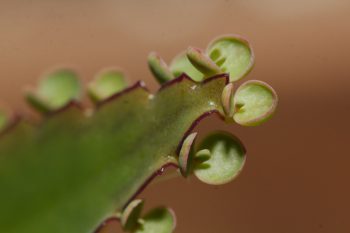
pixel 159 68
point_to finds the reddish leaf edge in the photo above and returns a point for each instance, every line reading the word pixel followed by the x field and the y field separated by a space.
pixel 17 118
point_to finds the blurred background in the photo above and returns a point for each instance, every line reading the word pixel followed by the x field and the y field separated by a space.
pixel 296 177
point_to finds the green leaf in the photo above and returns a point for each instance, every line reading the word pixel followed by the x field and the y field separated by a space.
pixel 55 90
pixel 3 119
pixel 254 103
pixel 159 68
pixel 180 64
pixel 201 156
pixel 131 214
pixel 202 62
pixel 72 171
pixel 77 167
pixel 233 55
pixel 159 220
pixel 107 83
pixel 227 157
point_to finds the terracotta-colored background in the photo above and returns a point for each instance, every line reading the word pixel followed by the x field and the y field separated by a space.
pixel 297 175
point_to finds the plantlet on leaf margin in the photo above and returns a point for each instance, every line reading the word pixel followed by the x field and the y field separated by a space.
pixel 131 214
pixel 233 54
pixel 227 100
pixel 226 160
pixel 217 160
pixel 160 219
pixel 56 89
pixel 72 170
pixel 202 62
pixel 181 64
pixel 106 84
pixel 159 68
pixel 254 103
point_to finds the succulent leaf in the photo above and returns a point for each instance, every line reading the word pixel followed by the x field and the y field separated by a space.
pixel 202 62
pixel 226 160
pixel 180 64
pixel 159 68
pixel 254 102
pixel 226 100
pixel 93 165
pixel 107 83
pixel 55 90
pixel 131 214
pixel 233 55
pixel 158 220
pixel 185 155
pixel 79 165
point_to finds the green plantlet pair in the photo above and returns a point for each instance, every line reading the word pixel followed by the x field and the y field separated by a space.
pixel 62 86
pixel 79 166
pixel 227 54
pixel 160 219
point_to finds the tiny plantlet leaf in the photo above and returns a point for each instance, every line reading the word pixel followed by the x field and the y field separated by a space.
pixel 158 220
pixel 107 83
pixel 202 156
pixel 180 64
pixel 227 157
pixel 55 90
pixel 233 55
pixel 226 99
pixel 159 68
pixel 131 214
pixel 254 102
pixel 202 62
pixel 185 155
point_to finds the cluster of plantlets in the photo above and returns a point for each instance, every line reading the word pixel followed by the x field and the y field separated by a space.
pixel 79 167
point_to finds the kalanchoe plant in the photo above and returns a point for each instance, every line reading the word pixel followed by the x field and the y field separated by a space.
pixel 79 170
